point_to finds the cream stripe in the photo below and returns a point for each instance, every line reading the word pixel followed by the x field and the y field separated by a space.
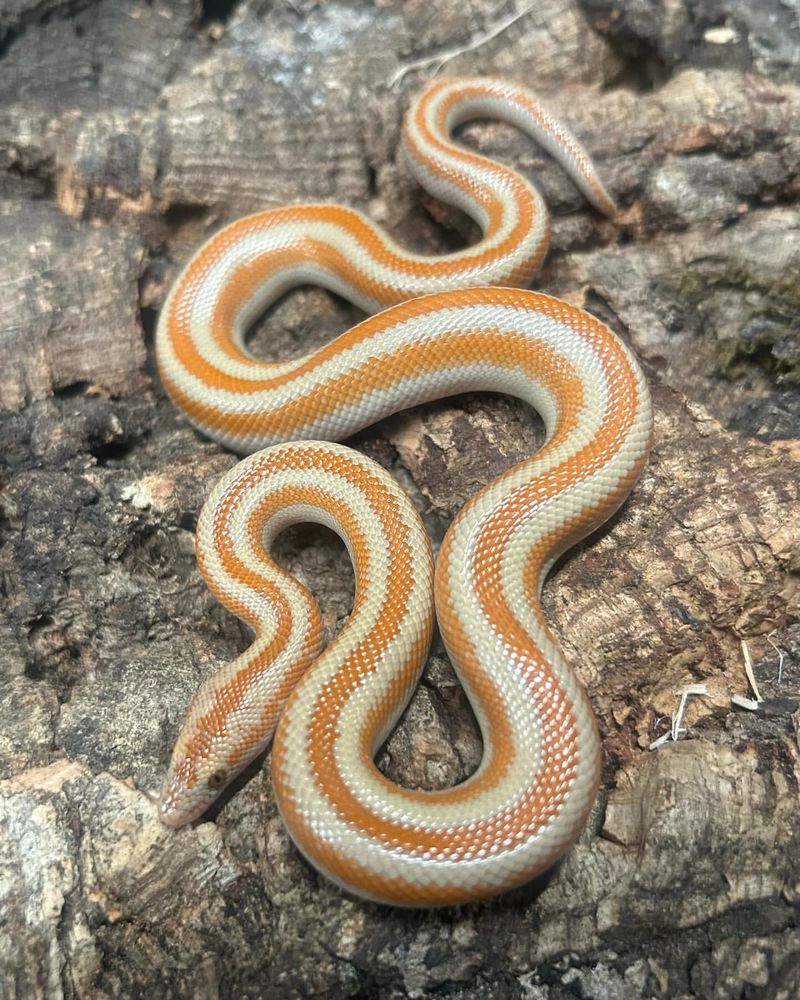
pixel 390 341
pixel 532 792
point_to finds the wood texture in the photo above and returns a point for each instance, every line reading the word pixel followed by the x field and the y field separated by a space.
pixel 128 132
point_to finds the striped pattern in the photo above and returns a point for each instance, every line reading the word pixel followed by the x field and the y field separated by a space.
pixel 200 344
pixel 530 796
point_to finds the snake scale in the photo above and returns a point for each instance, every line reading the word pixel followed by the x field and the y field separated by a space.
pixel 437 326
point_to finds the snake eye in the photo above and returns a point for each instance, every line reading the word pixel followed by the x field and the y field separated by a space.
pixel 216 780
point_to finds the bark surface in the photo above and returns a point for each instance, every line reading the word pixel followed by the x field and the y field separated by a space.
pixel 130 131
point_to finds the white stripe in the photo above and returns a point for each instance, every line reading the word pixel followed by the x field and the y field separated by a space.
pixel 389 341
pixel 586 355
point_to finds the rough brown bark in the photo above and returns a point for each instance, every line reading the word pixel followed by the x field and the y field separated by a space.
pixel 128 132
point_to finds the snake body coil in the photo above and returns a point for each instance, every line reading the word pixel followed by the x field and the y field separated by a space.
pixel 531 794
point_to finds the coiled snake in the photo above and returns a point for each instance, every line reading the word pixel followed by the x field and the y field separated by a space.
pixel 530 796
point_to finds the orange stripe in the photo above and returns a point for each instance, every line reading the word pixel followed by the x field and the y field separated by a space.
pixel 376 495
pixel 531 813
pixel 545 800
pixel 472 162
pixel 228 697
pixel 542 800
pixel 381 372
pixel 307 249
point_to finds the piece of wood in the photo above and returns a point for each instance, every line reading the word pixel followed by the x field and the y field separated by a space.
pixel 128 133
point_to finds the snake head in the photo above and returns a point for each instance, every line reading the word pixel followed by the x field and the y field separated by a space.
pixel 199 770
pixel 216 743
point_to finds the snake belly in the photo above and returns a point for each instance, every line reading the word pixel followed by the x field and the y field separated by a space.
pixel 331 709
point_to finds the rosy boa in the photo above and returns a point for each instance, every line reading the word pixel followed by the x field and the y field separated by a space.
pixel 331 710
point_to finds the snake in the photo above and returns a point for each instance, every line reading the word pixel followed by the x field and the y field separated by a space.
pixel 436 326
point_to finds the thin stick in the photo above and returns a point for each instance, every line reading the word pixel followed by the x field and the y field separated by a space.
pixel 443 57
pixel 676 719
pixel 748 669
pixel 781 656
pixel 751 704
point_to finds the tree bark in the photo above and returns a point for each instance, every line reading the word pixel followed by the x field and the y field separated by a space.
pixel 128 133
